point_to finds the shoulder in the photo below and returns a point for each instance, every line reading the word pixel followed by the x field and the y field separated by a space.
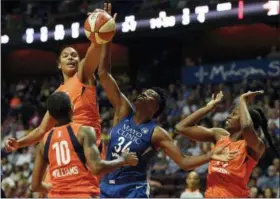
pixel 219 133
pixel 160 135
pixel 160 132
pixel 46 135
pixel 87 131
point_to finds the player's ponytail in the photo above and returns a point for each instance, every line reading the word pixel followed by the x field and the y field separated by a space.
pixel 264 126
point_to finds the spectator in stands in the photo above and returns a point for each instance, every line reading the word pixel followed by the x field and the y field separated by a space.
pixel 269 181
pixel 260 194
pixel 276 164
pixel 252 182
pixel 194 148
pixel 192 188
pixel 254 192
pixel 268 193
pixel 274 53
pixel 15 104
pixel 256 172
pixel 189 62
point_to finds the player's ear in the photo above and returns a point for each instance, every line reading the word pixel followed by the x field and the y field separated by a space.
pixel 58 63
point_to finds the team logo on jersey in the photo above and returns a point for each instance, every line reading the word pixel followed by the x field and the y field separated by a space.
pixel 221 164
pixel 144 130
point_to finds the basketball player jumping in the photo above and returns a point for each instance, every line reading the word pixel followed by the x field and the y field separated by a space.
pixel 70 149
pixel 229 180
pixel 80 87
pixel 79 84
pixel 137 131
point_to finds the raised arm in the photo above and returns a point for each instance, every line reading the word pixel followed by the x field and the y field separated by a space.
pixel 96 165
pixel 118 100
pixel 89 63
pixel 162 140
pixel 39 171
pixel 91 60
pixel 120 103
pixel 187 127
pixel 247 126
pixel 34 136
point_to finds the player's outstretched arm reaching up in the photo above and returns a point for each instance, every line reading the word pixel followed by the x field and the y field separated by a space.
pixel 188 128
pixel 70 64
pixel 253 141
pixel 120 103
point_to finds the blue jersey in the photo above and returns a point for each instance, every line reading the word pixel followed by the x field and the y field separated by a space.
pixel 137 138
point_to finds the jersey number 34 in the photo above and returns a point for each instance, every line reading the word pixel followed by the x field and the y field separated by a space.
pixel 120 148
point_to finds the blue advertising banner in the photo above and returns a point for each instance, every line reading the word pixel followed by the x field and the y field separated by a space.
pixel 231 71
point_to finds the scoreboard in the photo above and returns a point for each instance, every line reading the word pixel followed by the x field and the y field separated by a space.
pixel 239 10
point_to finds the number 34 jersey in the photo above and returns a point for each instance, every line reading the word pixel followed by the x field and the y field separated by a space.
pixel 126 135
pixel 70 176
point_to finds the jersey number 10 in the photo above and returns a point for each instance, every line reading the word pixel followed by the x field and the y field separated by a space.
pixel 62 152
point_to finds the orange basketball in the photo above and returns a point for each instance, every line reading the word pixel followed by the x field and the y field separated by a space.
pixel 100 27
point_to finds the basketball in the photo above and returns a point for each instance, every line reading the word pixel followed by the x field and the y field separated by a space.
pixel 100 27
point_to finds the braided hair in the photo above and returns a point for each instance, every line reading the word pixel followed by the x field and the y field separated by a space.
pixel 260 121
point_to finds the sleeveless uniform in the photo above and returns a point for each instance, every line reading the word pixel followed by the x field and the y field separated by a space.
pixel 70 177
pixel 129 181
pixel 229 180
pixel 85 108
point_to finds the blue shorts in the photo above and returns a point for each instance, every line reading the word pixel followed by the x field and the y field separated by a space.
pixel 126 190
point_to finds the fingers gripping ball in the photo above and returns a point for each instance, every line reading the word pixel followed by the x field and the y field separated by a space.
pixel 100 27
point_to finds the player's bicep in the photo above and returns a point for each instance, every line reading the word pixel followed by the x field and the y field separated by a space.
pixel 253 141
pixel 202 134
pixel 162 140
pixel 89 145
pixel 47 123
pixel 197 133
pixel 89 64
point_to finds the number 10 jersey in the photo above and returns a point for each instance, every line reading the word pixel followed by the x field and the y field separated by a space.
pixel 70 176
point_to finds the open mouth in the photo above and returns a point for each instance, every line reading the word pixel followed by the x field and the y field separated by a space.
pixel 71 64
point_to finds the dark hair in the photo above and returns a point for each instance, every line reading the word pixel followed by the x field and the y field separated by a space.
pixel 61 50
pixel 162 101
pixel 59 105
pixel 260 120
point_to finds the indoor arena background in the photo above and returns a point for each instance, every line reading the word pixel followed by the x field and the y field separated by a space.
pixel 235 47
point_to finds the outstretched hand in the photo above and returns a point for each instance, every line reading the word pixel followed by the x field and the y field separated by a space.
pixel 216 99
pixel 107 8
pixel 251 95
pixel 11 145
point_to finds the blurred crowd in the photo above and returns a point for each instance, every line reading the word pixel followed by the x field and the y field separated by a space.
pixel 17 15
pixel 24 103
